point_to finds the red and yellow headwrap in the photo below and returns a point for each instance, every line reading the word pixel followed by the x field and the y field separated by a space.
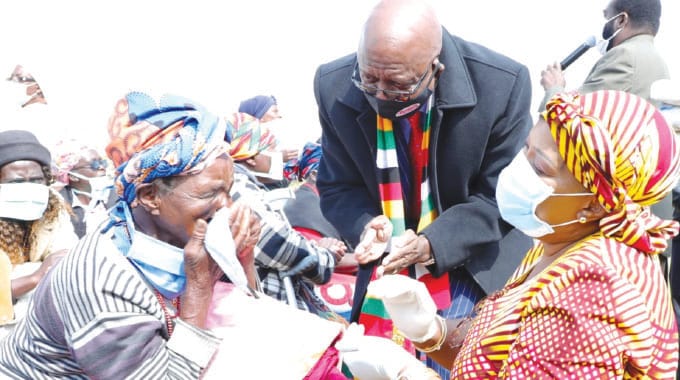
pixel 621 149
pixel 247 136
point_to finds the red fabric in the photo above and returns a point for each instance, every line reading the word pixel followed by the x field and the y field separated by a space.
pixel 326 367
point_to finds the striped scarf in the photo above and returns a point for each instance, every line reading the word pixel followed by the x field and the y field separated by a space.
pixel 373 314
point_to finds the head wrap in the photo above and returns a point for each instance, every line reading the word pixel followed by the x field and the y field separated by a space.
pixel 257 106
pixel 149 141
pixel 18 145
pixel 67 153
pixel 301 167
pixel 621 149
pixel 248 136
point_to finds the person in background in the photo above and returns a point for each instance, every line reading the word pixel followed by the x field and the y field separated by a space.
pixel 35 231
pixel 266 109
pixel 304 214
pixel 416 127
pixel 281 254
pixel 86 186
pixel 590 299
pixel 630 62
pixel 130 300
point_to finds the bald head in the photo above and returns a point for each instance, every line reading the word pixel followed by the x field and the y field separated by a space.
pixel 401 31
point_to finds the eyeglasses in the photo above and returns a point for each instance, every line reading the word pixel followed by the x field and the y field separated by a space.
pixel 95 165
pixel 398 95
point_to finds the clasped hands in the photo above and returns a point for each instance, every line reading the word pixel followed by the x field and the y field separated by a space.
pixel 404 250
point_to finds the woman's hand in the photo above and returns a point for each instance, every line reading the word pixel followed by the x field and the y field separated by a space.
pixel 335 246
pixel 246 228
pixel 202 272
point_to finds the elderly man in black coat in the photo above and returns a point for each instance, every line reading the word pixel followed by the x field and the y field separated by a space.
pixel 474 104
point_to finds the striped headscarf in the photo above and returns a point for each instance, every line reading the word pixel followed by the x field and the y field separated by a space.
pixel 301 167
pixel 150 140
pixel 247 136
pixel 621 149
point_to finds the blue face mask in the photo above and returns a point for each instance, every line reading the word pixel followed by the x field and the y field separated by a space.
pixel 161 264
pixel 519 192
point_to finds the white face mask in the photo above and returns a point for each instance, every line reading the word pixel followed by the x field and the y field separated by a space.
pixel 99 186
pixel 23 201
pixel 519 192
pixel 275 168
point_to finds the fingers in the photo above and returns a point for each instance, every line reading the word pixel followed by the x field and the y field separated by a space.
pixel 195 243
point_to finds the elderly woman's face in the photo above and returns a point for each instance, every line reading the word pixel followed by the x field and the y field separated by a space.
pixel 194 197
pixel 545 159
pixel 22 171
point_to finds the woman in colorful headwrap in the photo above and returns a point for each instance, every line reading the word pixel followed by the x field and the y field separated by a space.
pixel 131 299
pixel 85 185
pixel 254 147
pixel 590 299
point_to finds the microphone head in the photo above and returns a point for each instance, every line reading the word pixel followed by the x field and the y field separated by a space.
pixel 591 41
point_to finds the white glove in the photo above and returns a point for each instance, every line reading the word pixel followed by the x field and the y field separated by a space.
pixel 409 304
pixel 375 358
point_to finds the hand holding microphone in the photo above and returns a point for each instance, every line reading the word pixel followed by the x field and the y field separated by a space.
pixel 553 75
pixel 576 54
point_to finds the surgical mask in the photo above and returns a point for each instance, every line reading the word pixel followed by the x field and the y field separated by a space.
pixel 160 263
pixel 393 110
pixel 275 168
pixel 519 192
pixel 608 34
pixel 23 201
pixel 99 186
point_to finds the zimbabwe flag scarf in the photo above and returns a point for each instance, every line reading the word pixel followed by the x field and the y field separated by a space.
pixel 373 314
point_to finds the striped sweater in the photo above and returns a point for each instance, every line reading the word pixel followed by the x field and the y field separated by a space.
pixel 94 316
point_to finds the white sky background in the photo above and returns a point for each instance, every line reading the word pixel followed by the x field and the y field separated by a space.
pixel 87 54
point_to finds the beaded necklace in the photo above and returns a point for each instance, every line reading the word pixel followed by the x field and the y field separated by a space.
pixel 168 318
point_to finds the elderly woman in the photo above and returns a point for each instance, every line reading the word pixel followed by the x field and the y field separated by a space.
pixel 130 300
pixel 589 300
pixel 35 231
pixel 86 187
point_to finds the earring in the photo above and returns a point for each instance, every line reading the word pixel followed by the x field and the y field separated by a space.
pixel 582 219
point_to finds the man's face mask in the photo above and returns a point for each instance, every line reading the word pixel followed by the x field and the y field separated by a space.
pixel 608 34
pixel 23 201
pixel 398 106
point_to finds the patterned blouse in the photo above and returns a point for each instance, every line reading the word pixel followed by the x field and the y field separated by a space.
pixel 600 311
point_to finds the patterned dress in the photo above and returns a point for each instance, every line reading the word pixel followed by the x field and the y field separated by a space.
pixel 600 311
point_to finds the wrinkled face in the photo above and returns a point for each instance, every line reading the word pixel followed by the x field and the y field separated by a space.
pixel 544 157
pixel 194 197
pixel 376 73
pixel 22 171
pixel 271 114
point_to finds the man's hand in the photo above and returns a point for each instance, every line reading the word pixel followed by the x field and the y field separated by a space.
pixel 374 239
pixel 552 76
pixel 406 249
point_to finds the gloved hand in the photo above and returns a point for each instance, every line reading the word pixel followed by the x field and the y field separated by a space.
pixel 375 358
pixel 409 304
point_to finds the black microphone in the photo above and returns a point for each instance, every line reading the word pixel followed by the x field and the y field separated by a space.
pixel 589 42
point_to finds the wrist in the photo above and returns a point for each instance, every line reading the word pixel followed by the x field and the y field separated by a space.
pixel 435 340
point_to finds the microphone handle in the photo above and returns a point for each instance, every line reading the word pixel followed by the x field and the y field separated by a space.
pixel 574 56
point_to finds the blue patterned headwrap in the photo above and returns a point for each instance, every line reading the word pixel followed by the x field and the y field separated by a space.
pixel 150 140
